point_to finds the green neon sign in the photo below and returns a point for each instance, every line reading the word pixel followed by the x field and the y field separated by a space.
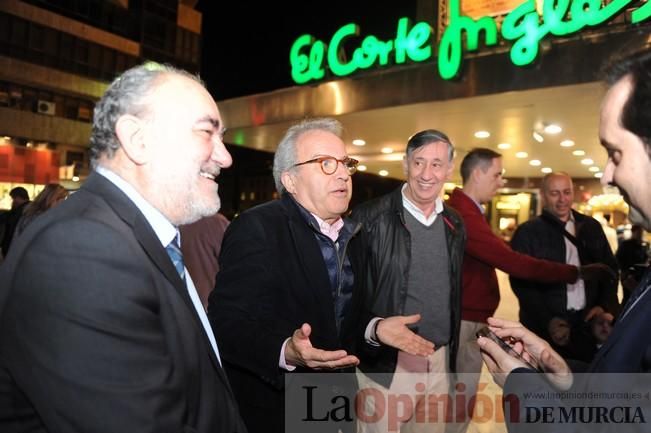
pixel 523 25
pixel 307 54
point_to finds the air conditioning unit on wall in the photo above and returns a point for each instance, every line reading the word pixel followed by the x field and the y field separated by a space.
pixel 46 107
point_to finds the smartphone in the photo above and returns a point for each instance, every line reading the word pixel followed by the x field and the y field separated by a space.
pixel 486 332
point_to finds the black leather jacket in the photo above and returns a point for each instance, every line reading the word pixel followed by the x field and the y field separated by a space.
pixel 388 255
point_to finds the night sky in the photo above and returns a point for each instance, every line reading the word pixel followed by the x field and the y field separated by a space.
pixel 254 58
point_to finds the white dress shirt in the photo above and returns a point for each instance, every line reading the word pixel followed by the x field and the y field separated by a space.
pixel 576 290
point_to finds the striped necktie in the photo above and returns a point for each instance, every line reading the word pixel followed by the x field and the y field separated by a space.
pixel 174 251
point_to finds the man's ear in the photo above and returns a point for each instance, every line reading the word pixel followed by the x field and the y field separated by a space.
pixel 289 182
pixel 475 173
pixel 130 131
pixel 405 165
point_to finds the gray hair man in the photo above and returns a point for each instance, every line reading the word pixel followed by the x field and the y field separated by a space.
pixel 116 338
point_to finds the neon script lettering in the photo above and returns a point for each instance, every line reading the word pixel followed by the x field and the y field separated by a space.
pixel 307 55
pixel 526 28
pixel 524 25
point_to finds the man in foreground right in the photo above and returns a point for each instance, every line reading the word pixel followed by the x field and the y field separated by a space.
pixel 626 135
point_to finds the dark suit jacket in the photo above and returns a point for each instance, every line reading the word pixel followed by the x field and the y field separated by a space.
pixel 540 302
pixel 272 279
pixel 627 350
pixel 97 331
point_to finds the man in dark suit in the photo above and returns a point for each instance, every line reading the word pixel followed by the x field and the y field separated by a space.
pixel 101 328
pixel 624 133
pixel 284 302
pixel 560 312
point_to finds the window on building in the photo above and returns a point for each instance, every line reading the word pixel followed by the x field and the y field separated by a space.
pixel 5 29
pixel 36 37
pixel 4 94
pixel 19 32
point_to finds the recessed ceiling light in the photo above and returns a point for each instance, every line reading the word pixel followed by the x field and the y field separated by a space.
pixel 578 152
pixel 521 155
pixel 546 169
pixel 383 173
pixel 594 169
pixel 567 143
pixel 552 128
pixel 535 162
pixel 387 150
pixel 482 134
pixel 598 175
pixel 361 167
pixel 539 138
pixel 359 142
pixel 587 161
pixel 504 146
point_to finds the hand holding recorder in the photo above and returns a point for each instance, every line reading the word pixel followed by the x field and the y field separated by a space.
pixel 514 346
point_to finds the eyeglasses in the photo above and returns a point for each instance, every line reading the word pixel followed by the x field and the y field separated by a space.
pixel 329 164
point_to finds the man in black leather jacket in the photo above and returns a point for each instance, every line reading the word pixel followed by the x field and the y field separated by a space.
pixel 414 247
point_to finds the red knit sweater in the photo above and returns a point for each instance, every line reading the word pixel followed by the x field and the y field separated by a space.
pixel 485 251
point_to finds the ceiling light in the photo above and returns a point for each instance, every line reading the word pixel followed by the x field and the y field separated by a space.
pixel 75 178
pixel 546 169
pixel 358 142
pixel 361 167
pixel 383 173
pixel 598 175
pixel 578 152
pixel 504 146
pixel 552 128
pixel 387 150
pixel 594 169
pixel 587 161
pixel 539 138
pixel 567 143
pixel 535 162
pixel 482 134
pixel 521 155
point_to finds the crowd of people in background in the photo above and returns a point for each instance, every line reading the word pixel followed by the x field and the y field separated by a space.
pixel 132 305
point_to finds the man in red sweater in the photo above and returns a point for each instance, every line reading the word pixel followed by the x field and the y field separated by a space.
pixel 481 172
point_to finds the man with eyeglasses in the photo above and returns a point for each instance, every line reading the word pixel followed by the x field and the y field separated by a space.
pixel 415 247
pixel 284 299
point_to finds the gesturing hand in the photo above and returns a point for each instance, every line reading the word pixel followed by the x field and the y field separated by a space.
pixel 393 331
pixel 300 352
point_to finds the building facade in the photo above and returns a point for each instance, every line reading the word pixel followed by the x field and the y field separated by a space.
pixel 56 59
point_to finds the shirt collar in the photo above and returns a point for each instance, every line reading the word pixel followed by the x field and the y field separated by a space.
pixel 330 230
pixel 415 210
pixel 479 206
pixel 164 229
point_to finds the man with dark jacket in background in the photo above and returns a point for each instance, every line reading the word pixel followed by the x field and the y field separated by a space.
pixel 559 312
pixel 19 201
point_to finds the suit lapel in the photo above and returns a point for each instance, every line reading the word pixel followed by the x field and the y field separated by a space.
pixel 311 260
pixel 622 327
pixel 150 243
